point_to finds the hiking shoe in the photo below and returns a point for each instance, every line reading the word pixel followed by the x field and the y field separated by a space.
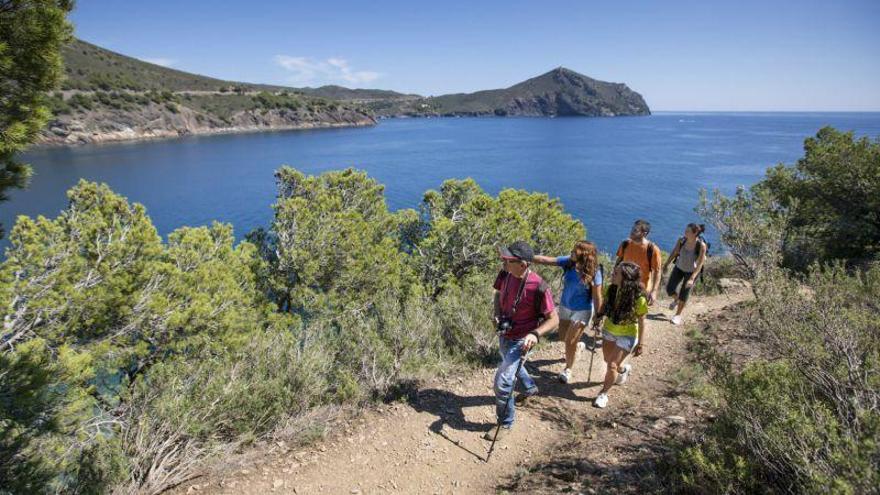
pixel 676 320
pixel 565 376
pixel 601 400
pixel 623 376
pixel 523 397
pixel 673 304
pixel 502 433
pixel 581 346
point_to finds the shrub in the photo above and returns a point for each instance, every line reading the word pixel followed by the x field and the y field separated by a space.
pixel 823 208
pixel 808 421
pixel 832 196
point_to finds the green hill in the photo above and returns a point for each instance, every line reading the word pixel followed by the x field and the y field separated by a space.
pixel 560 92
pixel 89 67
pixel 92 68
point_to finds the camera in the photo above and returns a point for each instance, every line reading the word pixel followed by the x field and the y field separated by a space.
pixel 505 323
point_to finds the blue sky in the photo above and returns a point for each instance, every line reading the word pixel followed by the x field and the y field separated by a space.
pixel 681 55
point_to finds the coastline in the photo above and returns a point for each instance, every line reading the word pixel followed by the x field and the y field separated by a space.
pixel 130 135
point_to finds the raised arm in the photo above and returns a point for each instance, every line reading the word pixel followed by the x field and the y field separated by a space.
pixel 544 260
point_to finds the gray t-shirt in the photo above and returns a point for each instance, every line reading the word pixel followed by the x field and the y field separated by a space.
pixel 687 258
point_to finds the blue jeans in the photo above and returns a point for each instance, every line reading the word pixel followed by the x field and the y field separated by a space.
pixel 511 352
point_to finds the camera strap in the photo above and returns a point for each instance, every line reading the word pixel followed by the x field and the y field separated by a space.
pixel 519 293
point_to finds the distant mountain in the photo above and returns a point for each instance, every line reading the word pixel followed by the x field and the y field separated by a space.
pixel 560 92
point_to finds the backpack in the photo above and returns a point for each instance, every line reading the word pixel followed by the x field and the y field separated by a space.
pixel 625 244
pixel 701 241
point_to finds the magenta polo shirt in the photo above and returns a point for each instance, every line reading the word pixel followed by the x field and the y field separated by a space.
pixel 526 318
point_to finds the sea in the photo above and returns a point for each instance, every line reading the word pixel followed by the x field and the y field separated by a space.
pixel 607 172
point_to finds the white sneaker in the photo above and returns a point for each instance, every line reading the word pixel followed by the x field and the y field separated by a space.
pixel 676 320
pixel 623 376
pixel 581 346
pixel 565 376
pixel 673 304
pixel 601 401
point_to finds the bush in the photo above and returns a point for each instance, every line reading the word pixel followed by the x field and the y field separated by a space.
pixel 832 196
pixel 188 410
pixel 824 208
pixel 808 421
pixel 128 362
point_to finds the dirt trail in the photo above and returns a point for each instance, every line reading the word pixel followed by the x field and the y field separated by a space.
pixel 433 444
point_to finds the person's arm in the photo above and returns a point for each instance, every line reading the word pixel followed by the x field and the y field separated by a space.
pixel 496 302
pixel 597 301
pixel 672 255
pixel 640 346
pixel 700 261
pixel 544 260
pixel 655 275
pixel 551 321
pixel 599 305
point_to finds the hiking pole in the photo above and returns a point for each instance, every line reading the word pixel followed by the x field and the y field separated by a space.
pixel 592 355
pixel 522 360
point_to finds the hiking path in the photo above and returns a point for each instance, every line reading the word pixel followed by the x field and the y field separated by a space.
pixel 432 442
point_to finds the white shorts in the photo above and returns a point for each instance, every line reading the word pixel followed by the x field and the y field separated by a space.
pixel 582 316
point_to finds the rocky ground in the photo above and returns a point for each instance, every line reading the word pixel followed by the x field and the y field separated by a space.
pixel 431 441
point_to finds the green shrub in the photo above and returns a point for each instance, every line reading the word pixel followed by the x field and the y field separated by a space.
pixel 807 421
pixel 824 208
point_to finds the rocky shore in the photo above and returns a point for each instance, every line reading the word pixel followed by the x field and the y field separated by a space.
pixel 155 121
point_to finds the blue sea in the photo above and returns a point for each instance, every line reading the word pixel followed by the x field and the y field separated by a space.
pixel 606 171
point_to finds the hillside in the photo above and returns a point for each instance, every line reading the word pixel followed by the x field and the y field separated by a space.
pixel 112 97
pixel 560 92
pixel 89 67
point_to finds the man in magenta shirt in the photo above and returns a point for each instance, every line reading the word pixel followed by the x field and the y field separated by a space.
pixel 524 311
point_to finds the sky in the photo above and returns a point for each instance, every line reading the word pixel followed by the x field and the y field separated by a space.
pixel 704 55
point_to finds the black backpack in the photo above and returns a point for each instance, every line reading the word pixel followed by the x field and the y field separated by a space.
pixel 701 241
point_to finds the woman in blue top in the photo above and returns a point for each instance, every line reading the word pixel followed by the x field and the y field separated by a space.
pixel 581 292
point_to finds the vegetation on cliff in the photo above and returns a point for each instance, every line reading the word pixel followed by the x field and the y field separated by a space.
pixel 127 362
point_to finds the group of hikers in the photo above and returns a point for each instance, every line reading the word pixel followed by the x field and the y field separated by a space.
pixel 524 309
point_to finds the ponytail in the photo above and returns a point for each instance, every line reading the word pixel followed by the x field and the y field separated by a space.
pixel 697 229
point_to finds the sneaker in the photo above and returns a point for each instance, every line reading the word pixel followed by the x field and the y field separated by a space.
pixel 676 320
pixel 502 433
pixel 581 346
pixel 673 304
pixel 565 376
pixel 601 400
pixel 523 397
pixel 623 376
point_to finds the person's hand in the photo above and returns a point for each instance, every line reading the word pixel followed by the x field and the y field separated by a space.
pixel 496 319
pixel 689 284
pixel 529 341
pixel 652 297
pixel 638 350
